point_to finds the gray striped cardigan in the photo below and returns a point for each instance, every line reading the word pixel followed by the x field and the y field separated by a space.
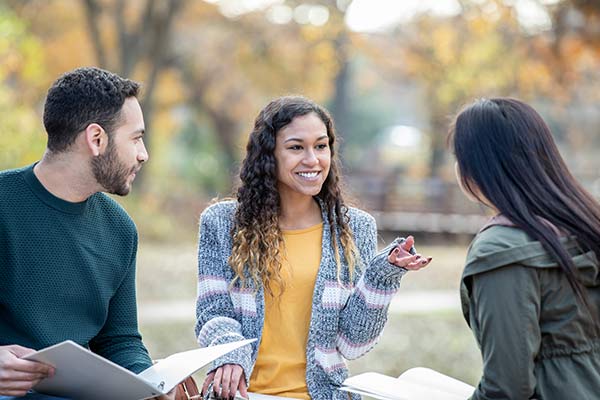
pixel 346 321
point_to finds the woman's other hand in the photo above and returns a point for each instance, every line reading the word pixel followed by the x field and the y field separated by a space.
pixel 226 381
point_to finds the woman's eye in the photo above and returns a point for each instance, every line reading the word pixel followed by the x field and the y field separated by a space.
pixel 322 146
pixel 295 147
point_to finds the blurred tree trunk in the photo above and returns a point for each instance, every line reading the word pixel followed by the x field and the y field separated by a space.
pixel 227 130
pixel 439 126
pixel 340 106
pixel 143 42
pixel 341 42
pixel 225 126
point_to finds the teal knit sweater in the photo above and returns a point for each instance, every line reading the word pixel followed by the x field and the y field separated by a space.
pixel 67 271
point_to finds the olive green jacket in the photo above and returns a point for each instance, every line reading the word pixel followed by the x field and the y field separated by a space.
pixel 537 341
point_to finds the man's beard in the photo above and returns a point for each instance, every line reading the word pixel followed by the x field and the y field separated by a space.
pixel 110 172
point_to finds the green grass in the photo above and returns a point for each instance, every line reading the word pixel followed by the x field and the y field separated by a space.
pixel 441 341
pixel 442 274
pixel 168 272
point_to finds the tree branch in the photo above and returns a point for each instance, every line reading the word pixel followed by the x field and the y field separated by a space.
pixel 93 13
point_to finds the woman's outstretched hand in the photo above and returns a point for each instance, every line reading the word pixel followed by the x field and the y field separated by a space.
pixel 400 256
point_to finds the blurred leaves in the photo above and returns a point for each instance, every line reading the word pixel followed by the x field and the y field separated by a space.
pixel 207 71
pixel 22 140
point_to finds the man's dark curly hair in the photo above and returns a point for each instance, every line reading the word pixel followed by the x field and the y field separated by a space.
pixel 82 97
pixel 257 239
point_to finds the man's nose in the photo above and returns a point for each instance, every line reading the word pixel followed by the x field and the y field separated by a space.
pixel 142 153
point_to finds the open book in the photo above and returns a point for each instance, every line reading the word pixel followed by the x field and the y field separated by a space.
pixel 414 384
pixel 83 375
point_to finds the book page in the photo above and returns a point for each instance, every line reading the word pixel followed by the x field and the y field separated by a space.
pixel 370 395
pixel 431 378
pixel 417 385
pixel 377 384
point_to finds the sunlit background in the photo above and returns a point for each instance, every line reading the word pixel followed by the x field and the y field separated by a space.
pixel 392 72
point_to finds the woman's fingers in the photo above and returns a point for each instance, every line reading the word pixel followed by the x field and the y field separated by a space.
pixel 418 264
pixel 226 381
pixel 410 262
pixel 397 254
pixel 408 244
pixel 209 379
pixel 400 257
pixel 403 261
pixel 243 388
pixel 217 382
pixel 403 249
pixel 237 381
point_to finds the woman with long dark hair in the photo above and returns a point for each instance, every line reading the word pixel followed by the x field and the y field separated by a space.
pixel 289 263
pixel 531 284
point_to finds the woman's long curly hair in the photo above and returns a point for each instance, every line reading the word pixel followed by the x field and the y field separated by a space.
pixel 257 239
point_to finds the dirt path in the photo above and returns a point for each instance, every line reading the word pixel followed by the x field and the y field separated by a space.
pixel 405 302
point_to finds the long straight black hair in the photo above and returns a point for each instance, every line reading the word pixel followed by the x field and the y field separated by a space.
pixel 507 157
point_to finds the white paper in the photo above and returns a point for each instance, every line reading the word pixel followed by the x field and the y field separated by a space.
pixel 83 375
pixel 429 378
pixel 414 384
pixel 174 369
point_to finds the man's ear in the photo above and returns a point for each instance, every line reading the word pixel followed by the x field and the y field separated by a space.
pixel 96 139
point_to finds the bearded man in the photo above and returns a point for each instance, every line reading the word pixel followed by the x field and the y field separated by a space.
pixel 67 250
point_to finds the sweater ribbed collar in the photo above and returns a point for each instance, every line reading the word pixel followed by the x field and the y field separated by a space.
pixel 48 198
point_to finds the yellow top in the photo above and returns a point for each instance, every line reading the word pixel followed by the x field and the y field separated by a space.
pixel 281 363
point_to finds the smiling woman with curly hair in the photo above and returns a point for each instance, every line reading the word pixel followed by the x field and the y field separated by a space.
pixel 291 264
